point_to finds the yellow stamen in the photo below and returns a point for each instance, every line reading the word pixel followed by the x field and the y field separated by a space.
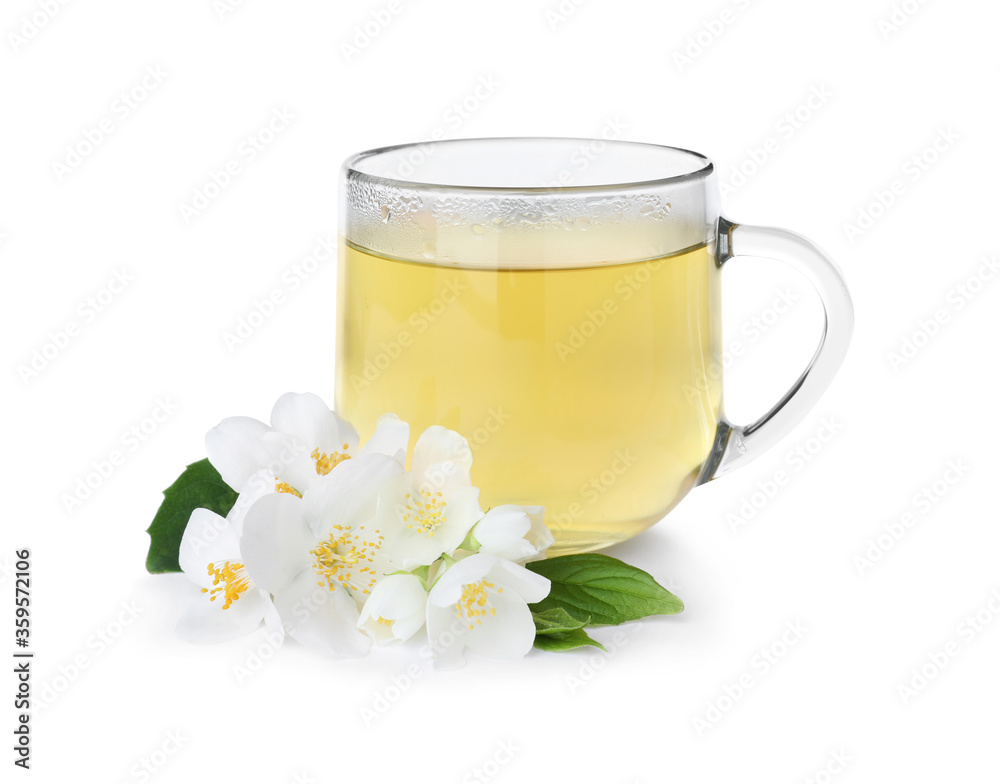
pixel 427 512
pixel 325 463
pixel 342 560
pixel 474 603
pixel 284 487
pixel 235 582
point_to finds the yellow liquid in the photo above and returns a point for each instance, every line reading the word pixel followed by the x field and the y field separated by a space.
pixel 591 391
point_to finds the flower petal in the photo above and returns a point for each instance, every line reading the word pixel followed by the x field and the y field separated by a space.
pixel 289 459
pixel 529 586
pixel 234 449
pixel 405 628
pixel 539 536
pixel 309 419
pixel 418 529
pixel 507 634
pixel 276 541
pixel 445 635
pixel 400 599
pixel 323 620
pixel 349 495
pixel 207 539
pixel 261 482
pixel 515 533
pixel 501 532
pixel 448 588
pixel 391 437
pixel 507 520
pixel 461 512
pixel 272 621
pixel 438 445
pixel 206 622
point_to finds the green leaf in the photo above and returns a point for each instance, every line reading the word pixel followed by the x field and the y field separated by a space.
pixel 566 641
pixel 556 621
pixel 607 590
pixel 200 486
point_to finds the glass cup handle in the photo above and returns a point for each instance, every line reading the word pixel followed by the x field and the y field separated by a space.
pixel 737 445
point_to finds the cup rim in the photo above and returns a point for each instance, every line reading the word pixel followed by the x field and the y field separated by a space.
pixel 351 171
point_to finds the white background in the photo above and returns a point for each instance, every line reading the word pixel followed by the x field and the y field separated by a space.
pixel 112 684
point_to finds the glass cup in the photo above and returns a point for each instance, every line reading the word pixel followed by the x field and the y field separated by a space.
pixel 557 301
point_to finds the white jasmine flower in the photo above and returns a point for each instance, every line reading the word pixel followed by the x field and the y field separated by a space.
pixel 305 441
pixel 517 533
pixel 396 608
pixel 230 604
pixel 431 508
pixel 481 603
pixel 319 555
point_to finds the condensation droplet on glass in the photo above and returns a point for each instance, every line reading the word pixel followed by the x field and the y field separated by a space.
pixel 478 228
pixel 430 249
pixel 386 213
